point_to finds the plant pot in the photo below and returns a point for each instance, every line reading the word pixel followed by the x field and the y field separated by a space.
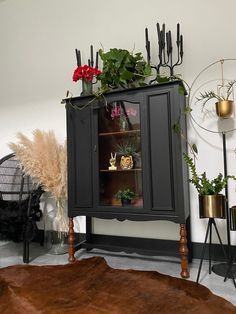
pixel 224 108
pixel 233 218
pixel 126 162
pixel 125 202
pixel 212 206
pixel 87 88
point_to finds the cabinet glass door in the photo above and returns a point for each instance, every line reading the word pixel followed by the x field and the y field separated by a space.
pixel 120 162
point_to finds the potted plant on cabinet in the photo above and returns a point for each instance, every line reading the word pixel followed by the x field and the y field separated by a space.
pixel 122 69
pixel 211 202
pixel 224 105
pixel 125 196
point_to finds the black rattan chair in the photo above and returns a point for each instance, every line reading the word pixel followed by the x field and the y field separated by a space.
pixel 19 204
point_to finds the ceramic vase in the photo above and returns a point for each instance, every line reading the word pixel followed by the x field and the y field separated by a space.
pixel 87 88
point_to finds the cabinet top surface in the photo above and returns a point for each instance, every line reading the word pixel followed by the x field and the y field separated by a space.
pixel 117 91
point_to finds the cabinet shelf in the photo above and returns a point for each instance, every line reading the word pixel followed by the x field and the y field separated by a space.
pixel 117 133
pixel 121 170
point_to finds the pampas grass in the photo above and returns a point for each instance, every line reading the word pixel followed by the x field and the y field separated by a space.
pixel 45 160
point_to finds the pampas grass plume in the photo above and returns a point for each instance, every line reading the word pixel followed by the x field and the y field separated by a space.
pixel 44 159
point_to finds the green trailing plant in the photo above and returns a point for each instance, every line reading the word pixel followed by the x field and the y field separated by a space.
pixel 185 90
pixel 177 129
pixel 122 69
pixel 126 194
pixel 203 185
pixel 208 95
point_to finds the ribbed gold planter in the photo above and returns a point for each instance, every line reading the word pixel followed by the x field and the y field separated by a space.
pixel 233 217
pixel 224 108
pixel 212 206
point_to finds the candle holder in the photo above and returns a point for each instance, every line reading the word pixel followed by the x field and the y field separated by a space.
pixel 165 50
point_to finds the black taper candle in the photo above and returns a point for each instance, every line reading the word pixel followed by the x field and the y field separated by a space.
pixel 96 64
pixel 167 43
pixel 181 46
pixel 89 62
pixel 78 58
pixel 147 45
pixel 159 33
pixel 146 36
pixel 91 55
pixel 170 42
pixel 159 42
pixel 178 39
pixel 163 36
pixel 148 52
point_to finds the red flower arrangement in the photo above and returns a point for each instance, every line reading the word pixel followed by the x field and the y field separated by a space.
pixel 85 73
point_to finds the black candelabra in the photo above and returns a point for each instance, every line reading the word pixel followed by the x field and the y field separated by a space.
pixel 165 49
pixel 90 60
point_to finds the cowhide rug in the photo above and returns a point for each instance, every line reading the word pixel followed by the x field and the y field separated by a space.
pixel 91 286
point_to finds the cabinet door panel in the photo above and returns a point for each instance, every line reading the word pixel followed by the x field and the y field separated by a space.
pixel 162 194
pixel 80 158
pixel 119 158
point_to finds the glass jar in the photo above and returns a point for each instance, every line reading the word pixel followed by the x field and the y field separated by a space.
pixel 55 232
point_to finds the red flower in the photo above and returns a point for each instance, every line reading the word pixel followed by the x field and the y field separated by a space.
pixel 85 73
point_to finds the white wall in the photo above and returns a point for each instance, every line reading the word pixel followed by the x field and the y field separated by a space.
pixel 37 60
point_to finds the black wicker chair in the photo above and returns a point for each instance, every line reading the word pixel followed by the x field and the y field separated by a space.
pixel 19 204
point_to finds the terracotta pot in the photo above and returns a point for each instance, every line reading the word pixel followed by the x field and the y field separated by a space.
pixel 224 108
pixel 212 206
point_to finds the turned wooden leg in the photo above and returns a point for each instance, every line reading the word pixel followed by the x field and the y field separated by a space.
pixel 183 250
pixel 71 240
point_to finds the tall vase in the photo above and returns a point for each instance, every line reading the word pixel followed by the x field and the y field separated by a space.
pixel 87 88
pixel 55 230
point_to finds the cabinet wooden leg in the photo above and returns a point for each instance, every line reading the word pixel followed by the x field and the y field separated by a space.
pixel 183 250
pixel 71 241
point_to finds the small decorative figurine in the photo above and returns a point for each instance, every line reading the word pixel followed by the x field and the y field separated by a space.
pixel 112 162
pixel 126 162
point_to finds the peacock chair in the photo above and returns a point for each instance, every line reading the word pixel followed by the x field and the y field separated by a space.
pixel 19 204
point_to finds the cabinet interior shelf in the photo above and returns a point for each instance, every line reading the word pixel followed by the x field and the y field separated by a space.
pixel 121 170
pixel 129 132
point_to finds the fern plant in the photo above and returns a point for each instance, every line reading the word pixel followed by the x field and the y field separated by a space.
pixel 203 185
pixel 208 95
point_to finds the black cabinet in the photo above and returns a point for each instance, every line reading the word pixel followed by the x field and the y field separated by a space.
pixel 125 140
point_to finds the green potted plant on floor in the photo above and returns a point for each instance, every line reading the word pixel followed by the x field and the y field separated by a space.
pixel 211 202
pixel 125 196
pixel 224 103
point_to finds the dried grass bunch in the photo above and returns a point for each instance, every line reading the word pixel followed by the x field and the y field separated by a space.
pixel 45 160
